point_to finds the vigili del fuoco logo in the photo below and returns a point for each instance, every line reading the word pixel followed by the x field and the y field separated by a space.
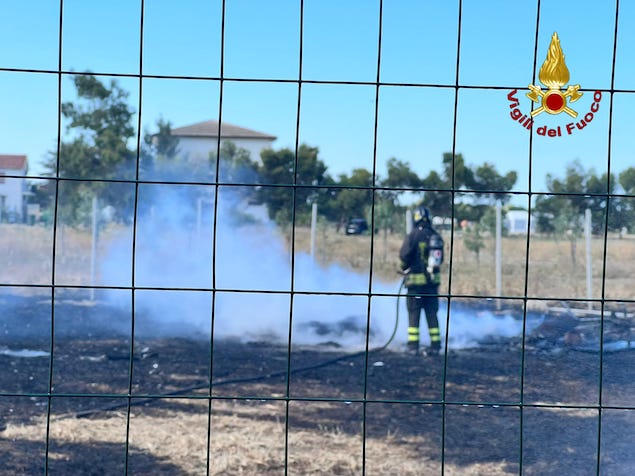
pixel 554 75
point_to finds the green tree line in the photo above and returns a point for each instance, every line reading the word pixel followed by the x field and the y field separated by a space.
pixel 99 149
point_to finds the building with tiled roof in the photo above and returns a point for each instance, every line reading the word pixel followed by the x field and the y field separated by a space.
pixel 13 189
pixel 13 162
pixel 196 141
pixel 227 131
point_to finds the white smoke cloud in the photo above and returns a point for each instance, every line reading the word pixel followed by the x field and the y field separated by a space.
pixel 173 248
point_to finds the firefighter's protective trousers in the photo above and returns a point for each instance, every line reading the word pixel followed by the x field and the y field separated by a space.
pixel 426 298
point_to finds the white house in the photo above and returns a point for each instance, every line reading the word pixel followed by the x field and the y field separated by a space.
pixel 196 141
pixel 12 188
pixel 516 222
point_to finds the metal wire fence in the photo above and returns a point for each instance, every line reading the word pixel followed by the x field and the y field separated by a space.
pixel 448 413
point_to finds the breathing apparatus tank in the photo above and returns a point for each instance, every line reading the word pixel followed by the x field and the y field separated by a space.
pixel 435 254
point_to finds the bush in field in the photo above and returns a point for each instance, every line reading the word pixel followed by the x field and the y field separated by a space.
pixel 473 240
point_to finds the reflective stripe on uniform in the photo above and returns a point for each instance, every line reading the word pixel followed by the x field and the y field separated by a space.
pixel 413 334
pixel 416 279
pixel 435 335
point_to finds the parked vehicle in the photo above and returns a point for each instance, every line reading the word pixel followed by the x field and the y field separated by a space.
pixel 356 226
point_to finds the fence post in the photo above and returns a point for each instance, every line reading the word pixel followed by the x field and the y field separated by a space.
pixel 589 268
pixel 313 227
pixel 93 249
pixel 499 254
pixel 199 217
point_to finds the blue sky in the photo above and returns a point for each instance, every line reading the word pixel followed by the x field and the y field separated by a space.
pixel 340 43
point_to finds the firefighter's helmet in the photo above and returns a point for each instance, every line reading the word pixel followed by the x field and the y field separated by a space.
pixel 421 215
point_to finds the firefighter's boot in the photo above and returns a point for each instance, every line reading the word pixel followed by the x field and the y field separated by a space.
pixel 435 342
pixel 413 341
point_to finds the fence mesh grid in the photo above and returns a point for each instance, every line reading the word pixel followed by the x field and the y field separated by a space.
pixel 366 403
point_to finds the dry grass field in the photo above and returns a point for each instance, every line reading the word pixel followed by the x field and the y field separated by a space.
pixel 177 441
pixel 554 270
pixel 549 267
pixel 27 256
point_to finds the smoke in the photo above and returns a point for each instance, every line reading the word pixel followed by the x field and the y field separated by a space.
pixel 252 272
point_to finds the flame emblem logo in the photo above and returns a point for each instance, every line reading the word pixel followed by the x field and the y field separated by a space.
pixel 554 74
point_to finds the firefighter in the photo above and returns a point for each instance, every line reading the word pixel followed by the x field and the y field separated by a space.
pixel 421 256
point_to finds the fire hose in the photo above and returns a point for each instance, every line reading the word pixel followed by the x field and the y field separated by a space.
pixel 257 378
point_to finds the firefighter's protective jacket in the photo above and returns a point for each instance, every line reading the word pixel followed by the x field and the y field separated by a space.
pixel 415 256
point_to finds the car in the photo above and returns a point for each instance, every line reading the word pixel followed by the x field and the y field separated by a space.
pixel 356 226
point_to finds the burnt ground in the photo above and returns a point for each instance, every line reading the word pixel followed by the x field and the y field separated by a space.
pixel 533 407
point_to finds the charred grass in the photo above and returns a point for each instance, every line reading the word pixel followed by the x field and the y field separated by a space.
pixel 384 414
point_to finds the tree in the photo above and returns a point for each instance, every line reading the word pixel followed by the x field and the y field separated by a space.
pixel 484 183
pixel 563 213
pixel 578 190
pixel 158 149
pixel 627 180
pixel 622 209
pixel 279 167
pixel 399 175
pixel 235 165
pixel 99 129
pixel 488 221
pixel 351 202
pixel 457 174
pixel 473 240
pixel 439 202
pixel 491 185
pixel 165 145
